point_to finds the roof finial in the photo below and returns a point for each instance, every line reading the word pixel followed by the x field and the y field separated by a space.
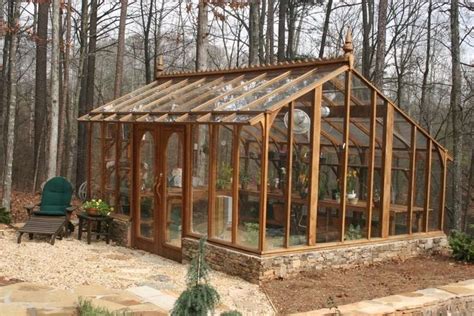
pixel 159 65
pixel 348 47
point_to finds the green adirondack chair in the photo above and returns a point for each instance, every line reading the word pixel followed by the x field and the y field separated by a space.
pixel 51 216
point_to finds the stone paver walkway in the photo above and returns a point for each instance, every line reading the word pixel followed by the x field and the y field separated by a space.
pixel 406 303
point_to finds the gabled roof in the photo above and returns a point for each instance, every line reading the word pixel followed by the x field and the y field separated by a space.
pixel 233 96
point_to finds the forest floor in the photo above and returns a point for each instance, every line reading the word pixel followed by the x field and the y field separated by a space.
pixel 336 287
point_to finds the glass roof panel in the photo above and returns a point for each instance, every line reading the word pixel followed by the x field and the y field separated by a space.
pixel 225 101
pixel 290 88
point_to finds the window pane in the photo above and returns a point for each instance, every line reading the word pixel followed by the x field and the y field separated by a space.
pixel 249 186
pixel 200 179
pixel 435 190
pixel 110 164
pixel 277 165
pixel 96 161
pixel 146 184
pixel 124 169
pixel 174 189
pixel 222 217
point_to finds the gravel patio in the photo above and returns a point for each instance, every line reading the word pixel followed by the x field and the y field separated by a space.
pixel 71 263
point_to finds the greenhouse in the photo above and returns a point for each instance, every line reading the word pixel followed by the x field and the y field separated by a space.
pixel 265 160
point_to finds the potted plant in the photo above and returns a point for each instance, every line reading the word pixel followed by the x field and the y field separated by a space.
pixel 244 179
pixel 97 208
pixel 351 183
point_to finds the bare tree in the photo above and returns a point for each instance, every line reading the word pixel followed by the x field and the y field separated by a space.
pixel 380 52
pixel 254 31
pixel 270 33
pixel 424 109
pixel 120 50
pixel 325 28
pixel 457 114
pixel 7 179
pixel 202 36
pixel 54 110
pixel 282 29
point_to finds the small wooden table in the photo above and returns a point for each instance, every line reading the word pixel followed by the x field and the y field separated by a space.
pixel 88 221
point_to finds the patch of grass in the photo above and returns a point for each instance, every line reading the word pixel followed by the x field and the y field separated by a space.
pixel 85 308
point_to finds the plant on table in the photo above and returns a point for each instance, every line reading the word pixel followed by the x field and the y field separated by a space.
pixel 351 183
pixel 200 297
pixel 97 207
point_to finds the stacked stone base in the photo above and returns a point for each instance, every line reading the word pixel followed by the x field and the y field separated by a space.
pixel 121 232
pixel 256 268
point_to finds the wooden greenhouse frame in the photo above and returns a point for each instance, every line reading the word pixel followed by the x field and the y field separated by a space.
pixel 266 160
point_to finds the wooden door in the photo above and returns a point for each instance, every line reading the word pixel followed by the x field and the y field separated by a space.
pixel 159 189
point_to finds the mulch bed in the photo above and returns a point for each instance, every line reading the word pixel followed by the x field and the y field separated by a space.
pixel 336 287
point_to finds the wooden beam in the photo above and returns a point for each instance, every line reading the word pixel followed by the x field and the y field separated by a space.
pixel 387 170
pixel 443 191
pixel 429 156
pixel 102 158
pixel 315 152
pixel 89 131
pixel 148 95
pixel 266 124
pixel 345 153
pixel 412 184
pixel 371 171
pixel 289 174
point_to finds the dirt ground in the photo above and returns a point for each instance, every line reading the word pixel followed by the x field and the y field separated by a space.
pixel 336 287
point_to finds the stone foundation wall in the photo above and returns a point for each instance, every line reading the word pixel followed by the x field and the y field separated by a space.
pixel 121 232
pixel 256 268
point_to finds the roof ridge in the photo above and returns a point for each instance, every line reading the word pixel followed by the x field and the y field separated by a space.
pixel 263 66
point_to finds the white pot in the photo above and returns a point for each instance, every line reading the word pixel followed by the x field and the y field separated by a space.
pixel 351 195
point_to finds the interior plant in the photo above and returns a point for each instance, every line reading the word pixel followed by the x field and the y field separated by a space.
pixel 97 207
pixel 462 245
pixel 351 183
pixel 244 178
pixel 200 298
pixel 224 176
pixel 353 233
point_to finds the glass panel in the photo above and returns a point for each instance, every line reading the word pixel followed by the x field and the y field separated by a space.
pixel 174 189
pixel 399 191
pixel 96 161
pixel 435 190
pixel 200 179
pixel 222 217
pixel 376 227
pixel 420 183
pixel 297 85
pixel 147 178
pixel 124 169
pixel 301 170
pixel 110 164
pixel 360 92
pixel 249 186
pixel 277 164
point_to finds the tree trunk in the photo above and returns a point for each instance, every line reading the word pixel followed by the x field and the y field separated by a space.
pixel 456 110
pixel 202 36
pixel 291 30
pixel 146 39
pixel 120 50
pixel 270 34
pixel 261 32
pixel 380 53
pixel 425 116
pixel 41 85
pixel 325 29
pixel 3 105
pixel 81 101
pixel 71 111
pixel 366 48
pixel 91 57
pixel 254 33
pixel 54 111
pixel 282 29
pixel 7 179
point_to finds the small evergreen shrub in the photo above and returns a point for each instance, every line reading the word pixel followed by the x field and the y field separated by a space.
pixel 462 245
pixel 5 217
pixel 231 313
pixel 85 308
pixel 200 297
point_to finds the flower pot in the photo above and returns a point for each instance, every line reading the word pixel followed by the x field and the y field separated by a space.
pixel 92 211
pixel 351 195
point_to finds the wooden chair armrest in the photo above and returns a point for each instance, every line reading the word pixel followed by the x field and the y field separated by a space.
pixel 29 208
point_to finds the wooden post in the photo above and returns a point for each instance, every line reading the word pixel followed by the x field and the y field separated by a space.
pixel 265 125
pixel 371 171
pixel 443 190
pixel 289 173
pixel 387 169
pixel 118 151
pixel 188 179
pixel 429 156
pixel 412 184
pixel 103 135
pixel 345 151
pixel 89 131
pixel 314 182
